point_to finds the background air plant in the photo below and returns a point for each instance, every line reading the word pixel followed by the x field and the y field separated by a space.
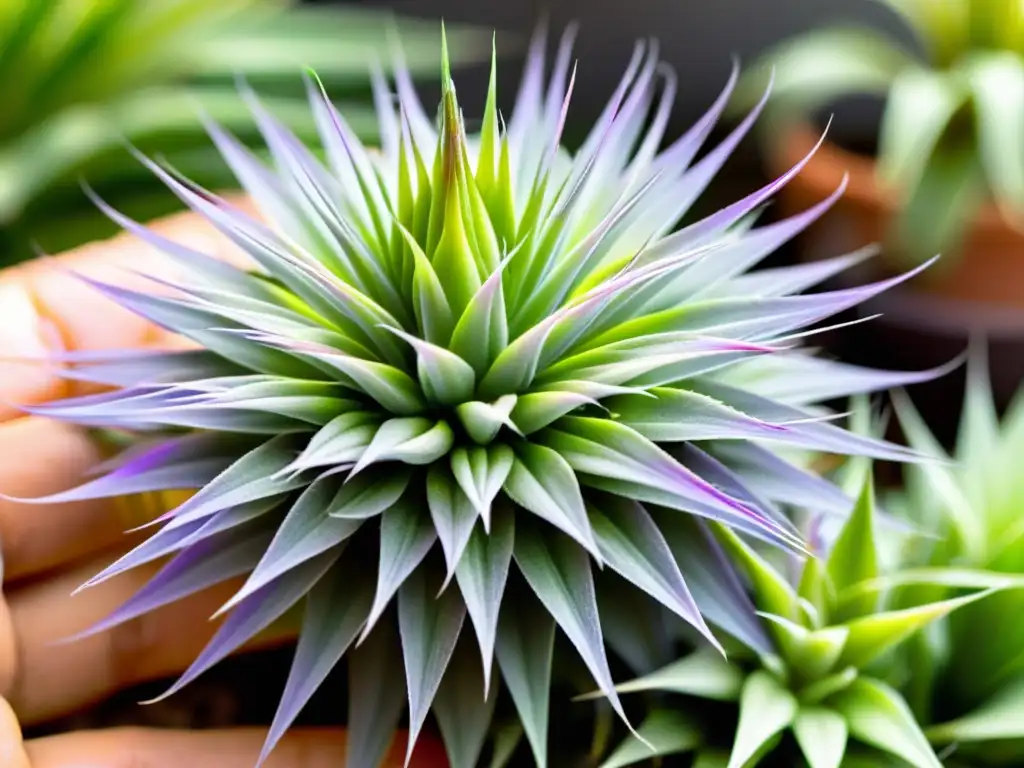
pixel 460 374
pixel 78 78
pixel 825 694
pixel 954 110
pixel 968 674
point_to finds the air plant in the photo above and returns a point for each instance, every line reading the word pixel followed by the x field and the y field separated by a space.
pixel 80 78
pixel 828 692
pixel 461 374
pixel 966 678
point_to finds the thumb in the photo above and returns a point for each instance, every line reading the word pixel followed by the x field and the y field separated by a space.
pixel 12 750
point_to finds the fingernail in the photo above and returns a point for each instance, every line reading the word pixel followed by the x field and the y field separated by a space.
pixel 25 335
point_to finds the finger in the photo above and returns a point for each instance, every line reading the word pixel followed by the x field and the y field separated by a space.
pixel 46 309
pixel 234 748
pixel 40 457
pixel 12 751
pixel 52 679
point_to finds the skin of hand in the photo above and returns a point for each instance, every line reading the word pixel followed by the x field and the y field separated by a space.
pixel 48 551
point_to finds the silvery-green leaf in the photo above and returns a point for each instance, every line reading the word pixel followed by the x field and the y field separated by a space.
pixel 335 609
pixel 481 472
pixel 481 575
pixel 370 493
pixel 559 574
pixel 525 644
pixel 306 531
pixel 453 515
pixel 463 708
pixel 429 624
pixel 712 579
pixel 413 440
pixel 483 421
pixel 445 377
pixel 632 545
pixel 543 482
pixel 376 697
pixel 406 535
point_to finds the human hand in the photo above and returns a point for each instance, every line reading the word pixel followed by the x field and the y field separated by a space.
pixel 49 550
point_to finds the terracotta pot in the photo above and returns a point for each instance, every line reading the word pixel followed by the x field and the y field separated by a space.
pixel 928 320
pixel 987 269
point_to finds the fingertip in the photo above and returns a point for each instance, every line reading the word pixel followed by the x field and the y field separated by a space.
pixel 12 748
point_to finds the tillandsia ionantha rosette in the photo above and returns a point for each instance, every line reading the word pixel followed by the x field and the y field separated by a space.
pixel 965 679
pixel 828 692
pixel 462 375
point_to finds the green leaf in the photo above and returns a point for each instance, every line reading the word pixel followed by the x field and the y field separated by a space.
pixel 766 709
pixel 525 645
pixel 920 106
pixel 433 312
pixel 818 68
pixel 481 575
pixel 812 653
pixel 481 473
pixel 667 731
pixel 506 740
pixel 772 592
pixel 544 483
pixel 816 588
pixel 821 734
pixel 854 556
pixel 704 673
pixel 968 523
pixel 943 28
pixel 429 627
pixel 877 715
pixel 942 205
pixel 871 636
pixel 1000 717
pixel 996 80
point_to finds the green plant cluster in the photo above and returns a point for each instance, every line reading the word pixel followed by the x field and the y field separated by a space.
pixel 949 140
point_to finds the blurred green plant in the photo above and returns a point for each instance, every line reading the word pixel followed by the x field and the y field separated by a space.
pixel 968 674
pixel 951 133
pixel 80 78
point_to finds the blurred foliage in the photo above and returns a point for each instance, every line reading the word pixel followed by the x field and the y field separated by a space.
pixel 951 134
pixel 81 80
